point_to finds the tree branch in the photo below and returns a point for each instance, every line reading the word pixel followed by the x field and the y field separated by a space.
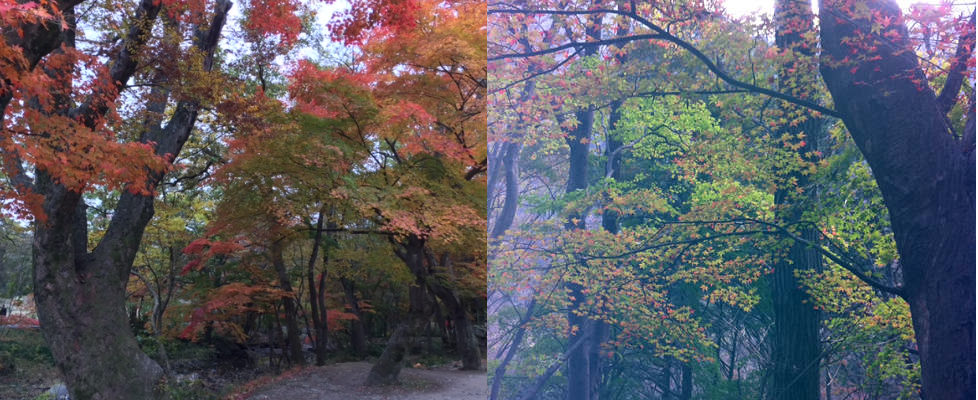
pixel 665 35
pixel 955 76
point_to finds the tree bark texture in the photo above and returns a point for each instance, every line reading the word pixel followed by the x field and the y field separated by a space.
pixel 795 338
pixel 927 177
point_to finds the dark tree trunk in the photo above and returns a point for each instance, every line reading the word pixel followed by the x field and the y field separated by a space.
pixel 358 334
pixel 795 335
pixel 289 303
pixel 927 178
pixel 465 342
pixel 665 379
pixel 511 153
pixel 686 392
pixel 81 306
pixel 80 294
pixel 578 365
pixel 795 338
pixel 388 367
pixel 315 294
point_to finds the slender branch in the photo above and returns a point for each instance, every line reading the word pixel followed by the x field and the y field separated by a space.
pixel 576 45
pixel 665 35
pixel 835 258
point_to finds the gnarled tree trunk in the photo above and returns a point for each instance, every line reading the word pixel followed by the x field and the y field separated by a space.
pixel 81 306
pixel 80 294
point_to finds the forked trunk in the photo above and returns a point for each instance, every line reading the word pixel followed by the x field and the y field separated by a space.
pixel 81 306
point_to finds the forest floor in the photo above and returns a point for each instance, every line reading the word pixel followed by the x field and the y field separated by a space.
pixel 27 372
pixel 344 381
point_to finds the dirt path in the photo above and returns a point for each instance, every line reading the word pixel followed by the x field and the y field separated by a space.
pixel 343 381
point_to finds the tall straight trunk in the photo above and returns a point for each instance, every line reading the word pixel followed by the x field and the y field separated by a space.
pixel 318 323
pixel 665 379
pixel 795 335
pixel 80 294
pixel 926 176
pixel 289 304
pixel 578 364
pixel 599 330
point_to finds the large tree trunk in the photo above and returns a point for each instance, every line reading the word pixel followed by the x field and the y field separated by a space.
pixel 795 339
pixel 465 341
pixel 578 363
pixel 80 294
pixel 927 178
pixel 388 367
pixel 81 307
pixel 796 347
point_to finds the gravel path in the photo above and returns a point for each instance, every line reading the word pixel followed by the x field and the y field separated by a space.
pixel 344 381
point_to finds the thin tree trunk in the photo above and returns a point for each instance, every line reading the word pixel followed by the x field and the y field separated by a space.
pixel 314 304
pixel 514 346
pixel 291 320
pixel 511 151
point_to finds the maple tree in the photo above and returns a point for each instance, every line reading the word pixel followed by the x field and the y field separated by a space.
pixel 390 145
pixel 719 207
pixel 71 127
